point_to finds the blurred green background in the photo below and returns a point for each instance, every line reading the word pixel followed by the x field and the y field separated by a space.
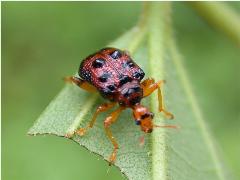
pixel 45 41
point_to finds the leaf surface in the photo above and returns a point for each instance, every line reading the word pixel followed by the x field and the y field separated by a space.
pixel 187 153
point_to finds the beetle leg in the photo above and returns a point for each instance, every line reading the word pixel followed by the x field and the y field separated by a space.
pixel 161 104
pixel 81 83
pixel 149 86
pixel 101 108
pixel 107 123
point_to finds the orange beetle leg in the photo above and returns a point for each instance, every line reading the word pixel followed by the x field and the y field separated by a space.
pixel 107 123
pixel 81 83
pixel 149 86
pixel 102 108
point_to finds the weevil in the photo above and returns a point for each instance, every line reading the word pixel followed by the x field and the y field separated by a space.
pixel 117 78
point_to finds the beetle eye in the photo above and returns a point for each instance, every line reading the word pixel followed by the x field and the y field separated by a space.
pixel 138 122
pixel 145 116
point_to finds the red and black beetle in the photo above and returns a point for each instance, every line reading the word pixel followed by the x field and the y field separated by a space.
pixel 114 74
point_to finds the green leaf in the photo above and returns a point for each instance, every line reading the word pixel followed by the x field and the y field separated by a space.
pixel 187 153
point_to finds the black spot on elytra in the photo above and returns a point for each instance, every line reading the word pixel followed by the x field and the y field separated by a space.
pixel 139 74
pixel 104 77
pixel 106 91
pixel 116 54
pixel 128 64
pixel 124 79
pixel 131 91
pixel 86 75
pixel 136 89
pixel 98 63
pixel 111 87
pixel 128 92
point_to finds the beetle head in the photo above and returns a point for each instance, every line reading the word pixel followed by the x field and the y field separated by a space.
pixel 143 117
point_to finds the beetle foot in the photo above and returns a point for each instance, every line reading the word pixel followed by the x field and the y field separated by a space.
pixel 167 114
pixel 113 157
pixel 81 131
pixel 69 135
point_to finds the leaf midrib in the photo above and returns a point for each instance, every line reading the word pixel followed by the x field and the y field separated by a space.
pixel 157 24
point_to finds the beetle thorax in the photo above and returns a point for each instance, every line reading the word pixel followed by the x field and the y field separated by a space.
pixel 130 94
